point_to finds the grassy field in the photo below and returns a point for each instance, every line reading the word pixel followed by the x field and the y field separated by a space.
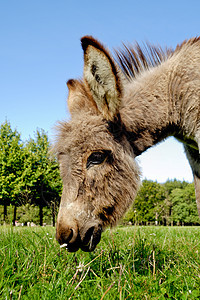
pixel 129 263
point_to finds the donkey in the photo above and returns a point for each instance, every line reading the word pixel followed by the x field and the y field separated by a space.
pixel 118 110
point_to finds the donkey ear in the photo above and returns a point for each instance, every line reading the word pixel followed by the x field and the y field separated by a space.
pixel 101 75
pixel 78 98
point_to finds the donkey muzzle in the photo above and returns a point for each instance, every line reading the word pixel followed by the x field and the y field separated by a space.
pixel 73 238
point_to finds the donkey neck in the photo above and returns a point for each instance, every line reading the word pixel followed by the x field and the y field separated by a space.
pixel 147 113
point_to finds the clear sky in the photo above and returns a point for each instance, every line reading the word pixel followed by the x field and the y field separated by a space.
pixel 40 50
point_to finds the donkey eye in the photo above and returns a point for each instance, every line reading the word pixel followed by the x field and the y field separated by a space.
pixel 97 158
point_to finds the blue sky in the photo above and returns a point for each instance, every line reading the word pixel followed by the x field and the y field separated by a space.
pixel 40 50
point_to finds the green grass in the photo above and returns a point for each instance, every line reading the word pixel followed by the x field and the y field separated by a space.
pixel 129 263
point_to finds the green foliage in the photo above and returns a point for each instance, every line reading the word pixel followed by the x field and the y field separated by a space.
pixel 11 165
pixel 28 174
pixel 148 201
pixel 46 184
pixel 184 205
pixel 44 179
pixel 170 185
pixel 28 213
pixel 168 203
pixel 148 204
pixel 129 263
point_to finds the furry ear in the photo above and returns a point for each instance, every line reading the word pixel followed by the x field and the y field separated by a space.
pixel 101 75
pixel 79 98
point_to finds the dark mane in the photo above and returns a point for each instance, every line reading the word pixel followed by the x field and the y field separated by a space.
pixel 133 60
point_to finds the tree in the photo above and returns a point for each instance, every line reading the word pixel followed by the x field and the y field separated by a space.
pixel 28 175
pixel 53 186
pixel 44 180
pixel 169 186
pixel 11 167
pixel 184 210
pixel 149 203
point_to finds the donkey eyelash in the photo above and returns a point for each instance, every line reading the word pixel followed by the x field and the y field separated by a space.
pixel 97 158
pixel 60 154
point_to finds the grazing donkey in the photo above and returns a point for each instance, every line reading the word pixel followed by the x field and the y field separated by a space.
pixel 117 112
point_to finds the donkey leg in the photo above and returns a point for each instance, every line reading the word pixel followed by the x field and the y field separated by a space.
pixel 197 139
pixel 197 191
pixel 194 160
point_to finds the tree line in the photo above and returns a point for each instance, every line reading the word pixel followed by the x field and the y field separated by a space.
pixel 29 175
pixel 170 203
pixel 30 184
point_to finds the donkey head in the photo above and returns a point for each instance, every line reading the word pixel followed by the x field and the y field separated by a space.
pixel 100 176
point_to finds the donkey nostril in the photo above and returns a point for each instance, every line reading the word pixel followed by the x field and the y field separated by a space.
pixel 88 235
pixel 73 235
pixel 66 235
pixel 91 236
pixel 70 236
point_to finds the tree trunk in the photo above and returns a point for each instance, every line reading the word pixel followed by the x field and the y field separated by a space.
pixel 53 214
pixel 41 215
pixel 156 219
pixel 5 213
pixel 14 215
